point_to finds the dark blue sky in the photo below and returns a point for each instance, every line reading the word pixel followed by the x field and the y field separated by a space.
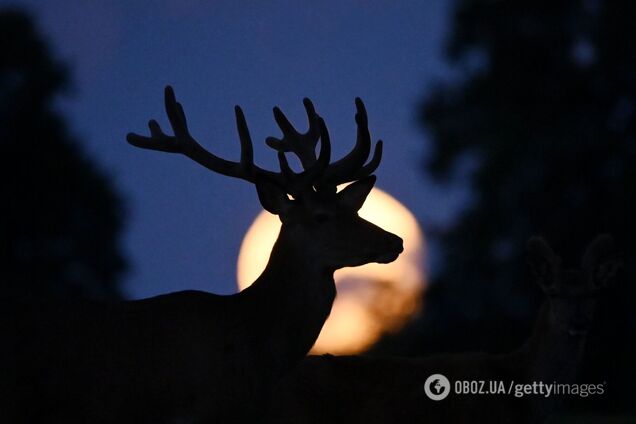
pixel 185 224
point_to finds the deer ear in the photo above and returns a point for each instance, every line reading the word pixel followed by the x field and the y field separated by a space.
pixel 353 196
pixel 273 198
pixel 601 262
pixel 544 264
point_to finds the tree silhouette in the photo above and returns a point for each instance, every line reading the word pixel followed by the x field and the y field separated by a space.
pixel 61 217
pixel 544 105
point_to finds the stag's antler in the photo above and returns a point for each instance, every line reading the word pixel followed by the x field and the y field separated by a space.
pixel 318 173
pixel 351 167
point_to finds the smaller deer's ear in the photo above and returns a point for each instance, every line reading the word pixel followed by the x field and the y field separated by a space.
pixel 353 196
pixel 544 264
pixel 273 198
pixel 601 262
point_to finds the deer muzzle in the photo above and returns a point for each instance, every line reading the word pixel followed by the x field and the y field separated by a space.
pixel 390 251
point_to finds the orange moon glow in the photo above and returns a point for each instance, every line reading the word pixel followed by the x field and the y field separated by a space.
pixel 372 299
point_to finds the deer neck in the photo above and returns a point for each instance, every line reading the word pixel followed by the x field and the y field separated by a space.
pixel 551 353
pixel 290 301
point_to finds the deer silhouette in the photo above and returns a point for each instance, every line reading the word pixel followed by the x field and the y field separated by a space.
pixel 359 389
pixel 194 356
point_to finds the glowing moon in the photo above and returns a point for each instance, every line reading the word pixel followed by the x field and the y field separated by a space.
pixel 372 299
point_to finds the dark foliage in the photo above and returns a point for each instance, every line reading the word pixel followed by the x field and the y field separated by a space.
pixel 545 106
pixel 61 217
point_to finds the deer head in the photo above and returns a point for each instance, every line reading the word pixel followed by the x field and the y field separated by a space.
pixel 572 293
pixel 317 221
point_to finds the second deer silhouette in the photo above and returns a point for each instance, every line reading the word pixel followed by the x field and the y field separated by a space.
pixel 193 356
pixel 358 389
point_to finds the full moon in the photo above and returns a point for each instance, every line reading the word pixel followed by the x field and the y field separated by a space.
pixel 372 299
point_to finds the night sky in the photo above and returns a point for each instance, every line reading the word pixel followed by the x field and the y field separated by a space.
pixel 184 223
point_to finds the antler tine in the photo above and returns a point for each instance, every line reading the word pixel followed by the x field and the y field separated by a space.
pixel 182 142
pixel 302 145
pixel 371 166
pixel 247 149
pixel 351 167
